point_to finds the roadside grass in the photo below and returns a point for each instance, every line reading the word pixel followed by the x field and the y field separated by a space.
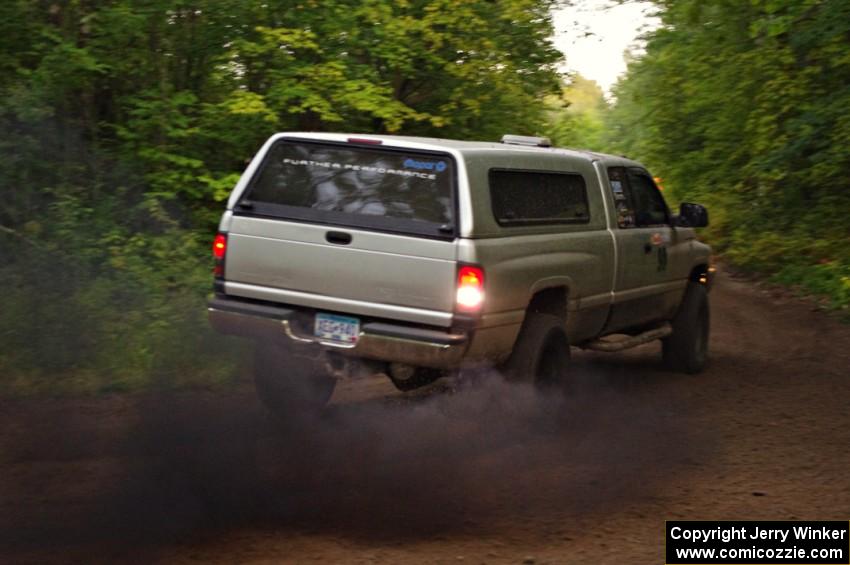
pixel 117 313
pixel 825 285
pixel 91 382
pixel 212 363
pixel 811 263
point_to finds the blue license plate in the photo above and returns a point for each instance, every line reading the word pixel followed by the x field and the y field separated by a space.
pixel 339 329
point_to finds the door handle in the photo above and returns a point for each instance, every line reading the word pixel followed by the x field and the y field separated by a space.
pixel 338 237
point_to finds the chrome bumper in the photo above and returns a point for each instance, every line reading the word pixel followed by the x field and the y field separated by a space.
pixel 377 340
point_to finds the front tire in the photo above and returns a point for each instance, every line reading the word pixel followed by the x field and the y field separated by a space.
pixel 290 386
pixel 541 354
pixel 686 349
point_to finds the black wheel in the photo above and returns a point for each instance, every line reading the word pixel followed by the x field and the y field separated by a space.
pixel 686 349
pixel 542 352
pixel 290 386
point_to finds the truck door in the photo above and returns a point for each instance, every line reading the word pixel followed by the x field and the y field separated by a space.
pixel 648 285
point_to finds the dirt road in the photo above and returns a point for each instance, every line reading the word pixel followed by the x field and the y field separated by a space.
pixel 489 474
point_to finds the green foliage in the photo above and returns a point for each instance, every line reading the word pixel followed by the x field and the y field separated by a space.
pixel 577 116
pixel 95 306
pixel 126 123
pixel 743 106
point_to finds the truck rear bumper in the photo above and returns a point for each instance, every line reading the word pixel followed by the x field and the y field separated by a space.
pixel 380 341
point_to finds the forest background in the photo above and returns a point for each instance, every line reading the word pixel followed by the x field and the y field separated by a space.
pixel 125 123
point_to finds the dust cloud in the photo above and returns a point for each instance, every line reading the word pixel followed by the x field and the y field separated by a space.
pixel 461 461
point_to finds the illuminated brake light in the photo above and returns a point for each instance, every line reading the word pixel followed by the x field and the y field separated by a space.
pixel 470 288
pixel 219 249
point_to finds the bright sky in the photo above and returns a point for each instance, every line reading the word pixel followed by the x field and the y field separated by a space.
pixel 594 34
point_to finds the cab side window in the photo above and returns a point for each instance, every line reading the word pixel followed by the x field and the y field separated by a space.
pixel 648 204
pixel 521 198
pixel 622 200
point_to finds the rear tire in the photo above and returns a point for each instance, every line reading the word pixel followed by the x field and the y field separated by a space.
pixel 290 386
pixel 541 354
pixel 686 349
pixel 414 377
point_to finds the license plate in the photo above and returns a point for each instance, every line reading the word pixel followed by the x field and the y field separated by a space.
pixel 339 329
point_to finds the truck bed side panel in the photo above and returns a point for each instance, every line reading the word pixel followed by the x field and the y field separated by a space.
pixel 518 267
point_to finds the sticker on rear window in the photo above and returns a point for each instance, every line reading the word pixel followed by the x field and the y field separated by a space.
pixel 359 168
pixel 438 166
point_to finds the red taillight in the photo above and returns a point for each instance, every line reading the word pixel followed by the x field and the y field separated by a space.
pixel 470 288
pixel 219 249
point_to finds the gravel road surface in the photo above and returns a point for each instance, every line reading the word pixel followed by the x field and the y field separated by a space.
pixel 487 473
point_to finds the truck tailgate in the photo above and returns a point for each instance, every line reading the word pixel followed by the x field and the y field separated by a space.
pixel 382 271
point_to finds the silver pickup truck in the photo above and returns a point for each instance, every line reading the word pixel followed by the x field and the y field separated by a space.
pixel 415 257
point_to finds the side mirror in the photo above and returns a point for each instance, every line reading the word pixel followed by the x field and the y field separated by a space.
pixel 692 216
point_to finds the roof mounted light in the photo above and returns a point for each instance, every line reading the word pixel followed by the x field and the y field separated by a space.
pixel 527 140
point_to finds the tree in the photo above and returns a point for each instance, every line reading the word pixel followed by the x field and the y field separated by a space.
pixel 743 105
pixel 127 122
pixel 577 116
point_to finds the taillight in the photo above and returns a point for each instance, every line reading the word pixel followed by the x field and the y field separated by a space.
pixel 219 249
pixel 470 288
